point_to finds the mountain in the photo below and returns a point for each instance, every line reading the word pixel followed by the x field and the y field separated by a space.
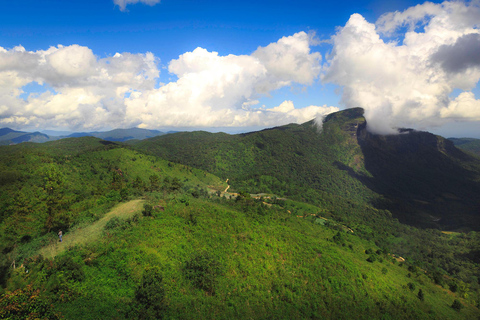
pixel 127 134
pixel 423 179
pixel 9 136
pixel 147 238
pixel 467 144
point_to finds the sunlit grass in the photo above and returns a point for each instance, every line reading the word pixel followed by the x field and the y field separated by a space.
pixel 92 232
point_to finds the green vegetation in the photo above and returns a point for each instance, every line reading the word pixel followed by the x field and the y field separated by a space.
pixel 467 144
pixel 308 228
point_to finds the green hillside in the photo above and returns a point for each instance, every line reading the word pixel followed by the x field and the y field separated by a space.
pixel 467 144
pixel 70 182
pixel 421 178
pixel 306 229
pixel 222 259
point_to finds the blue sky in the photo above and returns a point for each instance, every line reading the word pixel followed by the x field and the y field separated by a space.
pixel 243 78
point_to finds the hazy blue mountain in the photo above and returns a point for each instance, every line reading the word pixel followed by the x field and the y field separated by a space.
pixel 9 136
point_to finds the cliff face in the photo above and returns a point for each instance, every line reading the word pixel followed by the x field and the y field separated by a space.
pixel 425 178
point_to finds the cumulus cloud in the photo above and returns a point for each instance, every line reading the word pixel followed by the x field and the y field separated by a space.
pixel 85 90
pixel 215 91
pixel 88 92
pixel 460 56
pixel 122 4
pixel 408 83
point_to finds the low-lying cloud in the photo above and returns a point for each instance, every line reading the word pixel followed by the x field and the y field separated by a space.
pixel 87 92
pixel 408 82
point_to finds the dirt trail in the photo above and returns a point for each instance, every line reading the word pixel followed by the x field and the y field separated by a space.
pixel 92 232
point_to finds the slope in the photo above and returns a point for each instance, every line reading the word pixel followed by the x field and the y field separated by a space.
pixel 421 178
pixel 467 144
pixel 85 235
pixel 70 182
pixel 204 256
pixel 222 259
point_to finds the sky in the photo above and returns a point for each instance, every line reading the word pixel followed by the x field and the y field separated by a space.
pixel 96 65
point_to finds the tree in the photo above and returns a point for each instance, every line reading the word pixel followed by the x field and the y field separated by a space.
pixel 154 182
pixel 411 286
pixel 421 295
pixel 147 210
pixel 457 305
pixel 203 270
pixel 150 295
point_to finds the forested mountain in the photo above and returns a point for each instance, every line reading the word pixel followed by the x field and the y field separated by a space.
pixel 467 144
pixel 421 178
pixel 294 222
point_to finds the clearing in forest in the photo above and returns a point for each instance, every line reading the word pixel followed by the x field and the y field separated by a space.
pixel 91 232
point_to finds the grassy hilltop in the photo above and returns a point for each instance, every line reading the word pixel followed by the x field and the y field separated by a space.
pixel 305 227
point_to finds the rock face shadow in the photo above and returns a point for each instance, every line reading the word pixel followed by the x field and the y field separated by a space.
pixel 426 180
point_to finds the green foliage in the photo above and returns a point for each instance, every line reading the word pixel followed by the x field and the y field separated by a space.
pixel 421 295
pixel 26 303
pixel 147 210
pixel 150 295
pixel 289 246
pixel 113 223
pixel 457 305
pixel 203 269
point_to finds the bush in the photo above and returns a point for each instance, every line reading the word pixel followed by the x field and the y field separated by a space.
pixel 453 286
pixel 113 223
pixel 147 210
pixel 71 269
pixel 411 286
pixel 421 296
pixel 457 305
pixel 26 303
pixel 150 295
pixel 371 258
pixel 203 270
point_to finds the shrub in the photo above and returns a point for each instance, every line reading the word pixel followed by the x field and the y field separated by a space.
pixel 150 295
pixel 26 303
pixel 113 223
pixel 421 296
pixel 453 286
pixel 411 286
pixel 457 305
pixel 203 270
pixel 147 210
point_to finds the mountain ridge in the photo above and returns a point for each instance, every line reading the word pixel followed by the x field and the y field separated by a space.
pixel 344 160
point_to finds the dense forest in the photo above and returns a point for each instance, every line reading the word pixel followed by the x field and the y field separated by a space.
pixel 299 221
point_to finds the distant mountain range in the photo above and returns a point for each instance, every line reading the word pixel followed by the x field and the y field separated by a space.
pixel 467 144
pixel 9 136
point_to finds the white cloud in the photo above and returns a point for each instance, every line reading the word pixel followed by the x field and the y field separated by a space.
pixel 120 91
pixel 122 4
pixel 87 91
pixel 289 60
pixel 304 114
pixel 408 83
